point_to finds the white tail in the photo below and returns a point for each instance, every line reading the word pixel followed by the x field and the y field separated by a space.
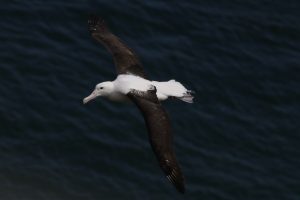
pixel 173 88
pixel 187 97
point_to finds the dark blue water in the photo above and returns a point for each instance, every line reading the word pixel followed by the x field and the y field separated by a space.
pixel 239 140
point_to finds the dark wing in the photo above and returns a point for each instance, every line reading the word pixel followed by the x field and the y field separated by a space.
pixel 125 59
pixel 160 136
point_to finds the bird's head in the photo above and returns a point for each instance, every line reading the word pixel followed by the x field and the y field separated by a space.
pixel 101 89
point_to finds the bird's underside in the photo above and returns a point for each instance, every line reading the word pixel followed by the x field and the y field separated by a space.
pixel 156 118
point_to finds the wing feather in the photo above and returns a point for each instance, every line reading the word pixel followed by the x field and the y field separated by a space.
pixel 159 129
pixel 125 59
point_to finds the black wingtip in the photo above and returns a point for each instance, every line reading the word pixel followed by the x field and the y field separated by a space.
pixel 178 182
pixel 180 187
pixel 96 23
pixel 174 175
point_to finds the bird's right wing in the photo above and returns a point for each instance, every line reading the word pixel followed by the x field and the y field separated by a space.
pixel 125 59
pixel 160 136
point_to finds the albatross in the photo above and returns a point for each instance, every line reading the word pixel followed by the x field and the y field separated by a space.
pixel 132 84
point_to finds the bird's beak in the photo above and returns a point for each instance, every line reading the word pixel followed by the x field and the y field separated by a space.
pixel 90 97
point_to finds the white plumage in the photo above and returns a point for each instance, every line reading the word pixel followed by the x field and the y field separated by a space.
pixel 118 89
pixel 125 83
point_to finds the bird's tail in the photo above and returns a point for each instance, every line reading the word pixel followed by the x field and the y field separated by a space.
pixel 173 89
pixel 187 96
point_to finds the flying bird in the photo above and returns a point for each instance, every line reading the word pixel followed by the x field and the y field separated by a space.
pixel 132 84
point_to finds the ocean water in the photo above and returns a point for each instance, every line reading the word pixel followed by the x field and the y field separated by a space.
pixel 239 140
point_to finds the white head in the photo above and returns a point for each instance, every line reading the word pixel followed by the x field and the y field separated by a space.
pixel 101 89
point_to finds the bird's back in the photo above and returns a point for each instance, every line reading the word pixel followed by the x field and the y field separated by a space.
pixel 169 88
pixel 124 83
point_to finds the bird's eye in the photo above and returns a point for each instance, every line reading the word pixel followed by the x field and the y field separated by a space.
pixel 101 88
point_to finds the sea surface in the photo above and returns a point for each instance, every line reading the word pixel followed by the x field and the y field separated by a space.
pixel 240 140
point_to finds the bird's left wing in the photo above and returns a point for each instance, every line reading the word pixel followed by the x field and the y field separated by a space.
pixel 125 59
pixel 160 136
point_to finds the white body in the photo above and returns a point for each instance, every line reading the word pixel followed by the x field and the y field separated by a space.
pixel 124 83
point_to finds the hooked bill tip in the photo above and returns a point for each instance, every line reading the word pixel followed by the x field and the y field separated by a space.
pixel 89 98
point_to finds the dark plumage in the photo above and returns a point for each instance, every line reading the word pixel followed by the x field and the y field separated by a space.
pixel 125 59
pixel 156 118
pixel 160 135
